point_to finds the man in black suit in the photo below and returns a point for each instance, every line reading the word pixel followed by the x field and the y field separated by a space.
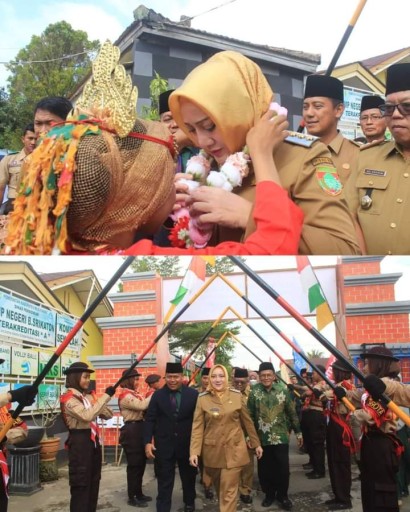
pixel 167 435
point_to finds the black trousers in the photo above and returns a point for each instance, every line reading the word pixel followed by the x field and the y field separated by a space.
pixel 314 430
pixel 84 471
pixel 273 471
pixel 4 501
pixel 379 467
pixel 338 462
pixel 131 439
pixel 165 469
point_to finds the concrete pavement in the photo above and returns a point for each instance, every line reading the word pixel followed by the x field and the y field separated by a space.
pixel 307 495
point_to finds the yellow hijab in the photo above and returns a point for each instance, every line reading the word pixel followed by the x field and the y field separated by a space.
pixel 210 388
pixel 232 90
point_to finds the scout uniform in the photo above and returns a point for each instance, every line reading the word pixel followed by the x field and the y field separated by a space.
pixel 15 435
pixel 132 407
pixel 218 437
pixel 79 412
pixel 307 171
pixel 340 443
pixel 10 168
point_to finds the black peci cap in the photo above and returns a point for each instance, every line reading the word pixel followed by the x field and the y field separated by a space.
pixel 323 85
pixel 369 102
pixel 163 101
pixel 398 78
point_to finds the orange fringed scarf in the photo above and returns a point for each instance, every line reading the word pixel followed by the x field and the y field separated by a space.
pixel 38 224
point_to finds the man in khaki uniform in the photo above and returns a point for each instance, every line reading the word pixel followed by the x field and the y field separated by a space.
pixel 372 121
pixel 10 168
pixel 379 190
pixel 241 383
pixel 322 109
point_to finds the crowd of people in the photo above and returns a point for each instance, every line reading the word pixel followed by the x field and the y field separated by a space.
pixel 222 424
pixel 276 192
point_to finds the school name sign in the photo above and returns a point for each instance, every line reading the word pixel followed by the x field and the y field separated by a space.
pixel 23 320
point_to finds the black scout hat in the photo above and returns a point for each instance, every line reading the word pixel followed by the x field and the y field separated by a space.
pixel 339 364
pixel 369 102
pixel 205 371
pixel 265 366
pixel 78 367
pixel 379 352
pixel 163 101
pixel 326 86
pixel 241 373
pixel 174 368
pixel 151 379
pixel 132 373
pixel 398 78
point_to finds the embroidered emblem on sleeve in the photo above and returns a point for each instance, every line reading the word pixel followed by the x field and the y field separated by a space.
pixel 329 180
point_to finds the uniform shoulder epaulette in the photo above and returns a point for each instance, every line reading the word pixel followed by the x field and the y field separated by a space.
pixel 204 393
pixel 374 144
pixel 235 390
pixel 355 143
pixel 301 139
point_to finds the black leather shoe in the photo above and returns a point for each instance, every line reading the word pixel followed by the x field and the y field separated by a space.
pixel 142 497
pixel 209 495
pixel 189 508
pixel 333 501
pixel 314 476
pixel 307 466
pixel 246 498
pixel 285 504
pixel 340 506
pixel 267 502
pixel 136 503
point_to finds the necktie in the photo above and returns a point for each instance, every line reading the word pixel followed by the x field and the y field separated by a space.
pixel 173 400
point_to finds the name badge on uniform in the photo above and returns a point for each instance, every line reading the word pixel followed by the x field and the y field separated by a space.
pixel 374 172
pixel 215 412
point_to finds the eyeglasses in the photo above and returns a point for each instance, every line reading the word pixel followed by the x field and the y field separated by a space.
pixel 389 108
pixel 373 117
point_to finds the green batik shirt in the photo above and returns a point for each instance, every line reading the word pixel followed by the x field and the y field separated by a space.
pixel 273 413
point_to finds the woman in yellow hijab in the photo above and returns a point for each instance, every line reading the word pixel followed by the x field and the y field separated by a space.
pixel 217 436
pixel 216 106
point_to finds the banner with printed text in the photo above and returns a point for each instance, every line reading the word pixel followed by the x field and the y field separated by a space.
pixel 23 320
pixel 24 362
pixel 64 325
pixel 48 396
pixel 54 372
pixel 5 353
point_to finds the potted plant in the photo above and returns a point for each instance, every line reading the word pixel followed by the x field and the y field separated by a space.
pixel 49 445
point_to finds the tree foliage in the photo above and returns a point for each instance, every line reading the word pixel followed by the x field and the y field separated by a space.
pixel 315 353
pixel 157 86
pixel 223 264
pixel 185 336
pixel 165 266
pixel 53 73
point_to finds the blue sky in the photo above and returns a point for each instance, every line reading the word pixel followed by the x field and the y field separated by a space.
pixel 315 26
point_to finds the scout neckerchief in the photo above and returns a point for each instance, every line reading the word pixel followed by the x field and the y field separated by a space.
pixel 333 413
pixel 18 422
pixel 87 405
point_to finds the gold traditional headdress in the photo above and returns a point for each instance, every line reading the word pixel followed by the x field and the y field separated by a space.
pixel 109 94
pixel 120 178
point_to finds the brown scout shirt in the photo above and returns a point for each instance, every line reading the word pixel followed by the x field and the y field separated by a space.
pixel 218 430
pixel 78 417
pixel 132 405
pixel 328 225
pixel 10 168
pixel 345 153
pixel 383 174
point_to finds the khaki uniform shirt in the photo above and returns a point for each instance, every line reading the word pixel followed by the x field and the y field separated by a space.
pixel 77 416
pixel 306 170
pixel 218 430
pixel 10 167
pixel 383 174
pixel 132 405
pixel 345 154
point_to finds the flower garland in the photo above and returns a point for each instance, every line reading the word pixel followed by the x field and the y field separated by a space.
pixel 186 231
